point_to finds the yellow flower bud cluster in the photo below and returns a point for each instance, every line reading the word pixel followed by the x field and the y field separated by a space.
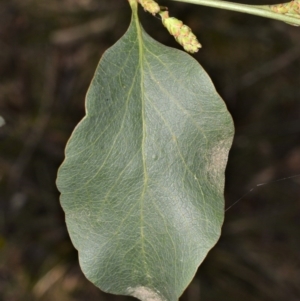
pixel 150 6
pixel 182 33
pixel 292 7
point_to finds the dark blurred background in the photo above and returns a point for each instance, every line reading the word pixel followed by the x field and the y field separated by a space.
pixel 48 53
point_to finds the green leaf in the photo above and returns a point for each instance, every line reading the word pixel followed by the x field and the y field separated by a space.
pixel 142 183
pixel 2 121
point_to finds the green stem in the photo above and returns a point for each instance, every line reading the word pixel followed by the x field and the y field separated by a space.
pixel 133 4
pixel 258 10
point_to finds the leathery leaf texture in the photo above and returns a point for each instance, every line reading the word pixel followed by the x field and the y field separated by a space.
pixel 142 182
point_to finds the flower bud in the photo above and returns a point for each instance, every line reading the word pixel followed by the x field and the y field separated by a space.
pixel 292 7
pixel 150 6
pixel 182 33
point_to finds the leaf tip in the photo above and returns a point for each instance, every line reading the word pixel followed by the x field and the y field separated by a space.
pixel 144 294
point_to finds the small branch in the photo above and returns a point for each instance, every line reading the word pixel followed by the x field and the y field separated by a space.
pixel 258 10
pixel 38 129
pixel 270 67
pixel 70 36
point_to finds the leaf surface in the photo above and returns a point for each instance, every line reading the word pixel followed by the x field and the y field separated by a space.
pixel 142 183
pixel 2 121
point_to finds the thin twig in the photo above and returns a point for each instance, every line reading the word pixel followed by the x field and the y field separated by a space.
pixel 270 67
pixel 76 34
pixel 257 10
pixel 39 126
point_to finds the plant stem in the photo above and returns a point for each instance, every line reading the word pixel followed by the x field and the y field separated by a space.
pixel 258 10
pixel 133 4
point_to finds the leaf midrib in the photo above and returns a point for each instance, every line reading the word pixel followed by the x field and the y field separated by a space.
pixel 141 66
